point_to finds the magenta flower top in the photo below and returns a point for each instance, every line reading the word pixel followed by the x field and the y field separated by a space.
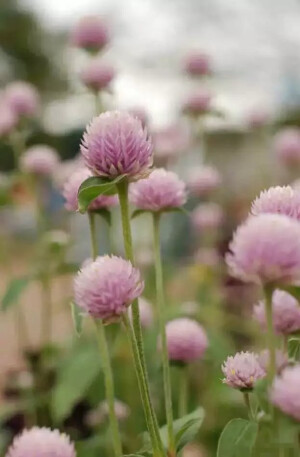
pixel 203 180
pixel 8 119
pixel 242 370
pixel 285 392
pixel 115 143
pixel 266 249
pixel 207 216
pixel 281 360
pixel 278 200
pixel 22 98
pixel 97 75
pixel 146 313
pixel 198 64
pixel 106 287
pixel 41 442
pixel 70 192
pixel 286 313
pixel 90 33
pixel 160 191
pixel 39 160
pixel 186 340
pixel 198 103
pixel 287 145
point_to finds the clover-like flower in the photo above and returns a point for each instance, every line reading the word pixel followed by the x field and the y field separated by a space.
pixel 285 392
pixel 242 370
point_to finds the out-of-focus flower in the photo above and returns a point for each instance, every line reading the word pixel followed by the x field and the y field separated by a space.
pixel 281 360
pixel 286 313
pixel 266 249
pixel 287 146
pixel 169 142
pixel 242 370
pixel 186 340
pixel 22 98
pixel 97 75
pixel 198 103
pixel 70 192
pixel 161 190
pixel 106 287
pixel 285 392
pixel 257 119
pixel 207 256
pixel 65 170
pixel 296 185
pixel 90 33
pixel 140 113
pixel 203 180
pixel 115 143
pixel 8 119
pixel 278 200
pixel 198 64
pixel 194 450
pixel 39 160
pixel 100 414
pixel 146 313
pixel 207 216
pixel 41 442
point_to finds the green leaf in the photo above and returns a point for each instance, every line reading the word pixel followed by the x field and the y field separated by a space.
pixel 237 439
pixel 261 390
pixel 13 291
pixel 77 318
pixel 92 187
pixel 139 212
pixel 293 290
pixel 294 348
pixel 104 213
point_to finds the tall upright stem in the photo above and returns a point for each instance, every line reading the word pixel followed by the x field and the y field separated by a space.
pixel 46 327
pixel 105 358
pixel 183 393
pixel 268 291
pixel 161 309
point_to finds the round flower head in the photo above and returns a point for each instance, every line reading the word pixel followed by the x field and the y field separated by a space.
pixel 106 287
pixel 198 64
pixel 203 180
pixel 198 103
pixel 278 200
pixel 287 146
pixel 39 160
pixel 22 98
pixel 90 33
pixel 207 216
pixel 97 75
pixel 41 442
pixel 115 143
pixel 281 360
pixel 161 190
pixel 285 392
pixel 169 142
pixel 70 192
pixel 286 313
pixel 8 119
pixel 242 370
pixel 146 313
pixel 186 340
pixel 266 249
pixel 257 119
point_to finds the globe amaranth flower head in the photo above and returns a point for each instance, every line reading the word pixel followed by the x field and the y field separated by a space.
pixel 242 370
pixel 203 180
pixel 70 192
pixel 285 391
pixel 197 103
pixel 207 216
pixel 22 98
pixel 161 190
pixel 169 142
pixel 39 160
pixel 278 200
pixel 106 287
pixel 266 249
pixel 186 340
pixel 8 119
pixel 41 442
pixel 97 75
pixel 146 313
pixel 287 146
pixel 286 313
pixel 90 33
pixel 281 360
pixel 116 143
pixel 198 64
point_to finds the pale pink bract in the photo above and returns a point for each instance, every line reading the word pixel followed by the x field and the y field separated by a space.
pixel 39 160
pixel 278 200
pixel 207 216
pixel 97 75
pixel 22 98
pixel 285 392
pixel 287 145
pixel 242 370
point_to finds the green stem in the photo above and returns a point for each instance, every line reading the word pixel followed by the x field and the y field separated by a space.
pixel 98 104
pixel 183 393
pixel 248 404
pixel 268 291
pixel 46 327
pixel 92 225
pixel 161 308
pixel 21 328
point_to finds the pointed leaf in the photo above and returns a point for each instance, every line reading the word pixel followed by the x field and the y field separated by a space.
pixel 104 213
pixel 77 318
pixel 237 439
pixel 139 212
pixel 92 187
pixel 14 291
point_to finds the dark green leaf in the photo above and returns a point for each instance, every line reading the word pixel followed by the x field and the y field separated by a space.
pixel 105 214
pixel 13 291
pixel 138 212
pixel 92 187
pixel 237 439
pixel 294 348
pixel 77 318
pixel 91 447
pixel 293 290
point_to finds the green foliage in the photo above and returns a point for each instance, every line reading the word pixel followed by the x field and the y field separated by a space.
pixel 105 214
pixel 14 291
pixel 92 187
pixel 77 318
pixel 238 439
pixel 294 348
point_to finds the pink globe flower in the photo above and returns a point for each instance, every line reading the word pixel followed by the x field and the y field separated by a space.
pixel 41 442
pixel 198 64
pixel 39 160
pixel 207 216
pixel 116 143
pixel 242 370
pixel 8 119
pixel 97 75
pixel 106 287
pixel 160 191
pixel 70 192
pixel 22 98
pixel 198 103
pixel 281 360
pixel 203 180
pixel 266 249
pixel 169 142
pixel 90 33
pixel 186 340
pixel 278 200
pixel 146 313
pixel 286 313
pixel 257 119
pixel 285 392
pixel 287 146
